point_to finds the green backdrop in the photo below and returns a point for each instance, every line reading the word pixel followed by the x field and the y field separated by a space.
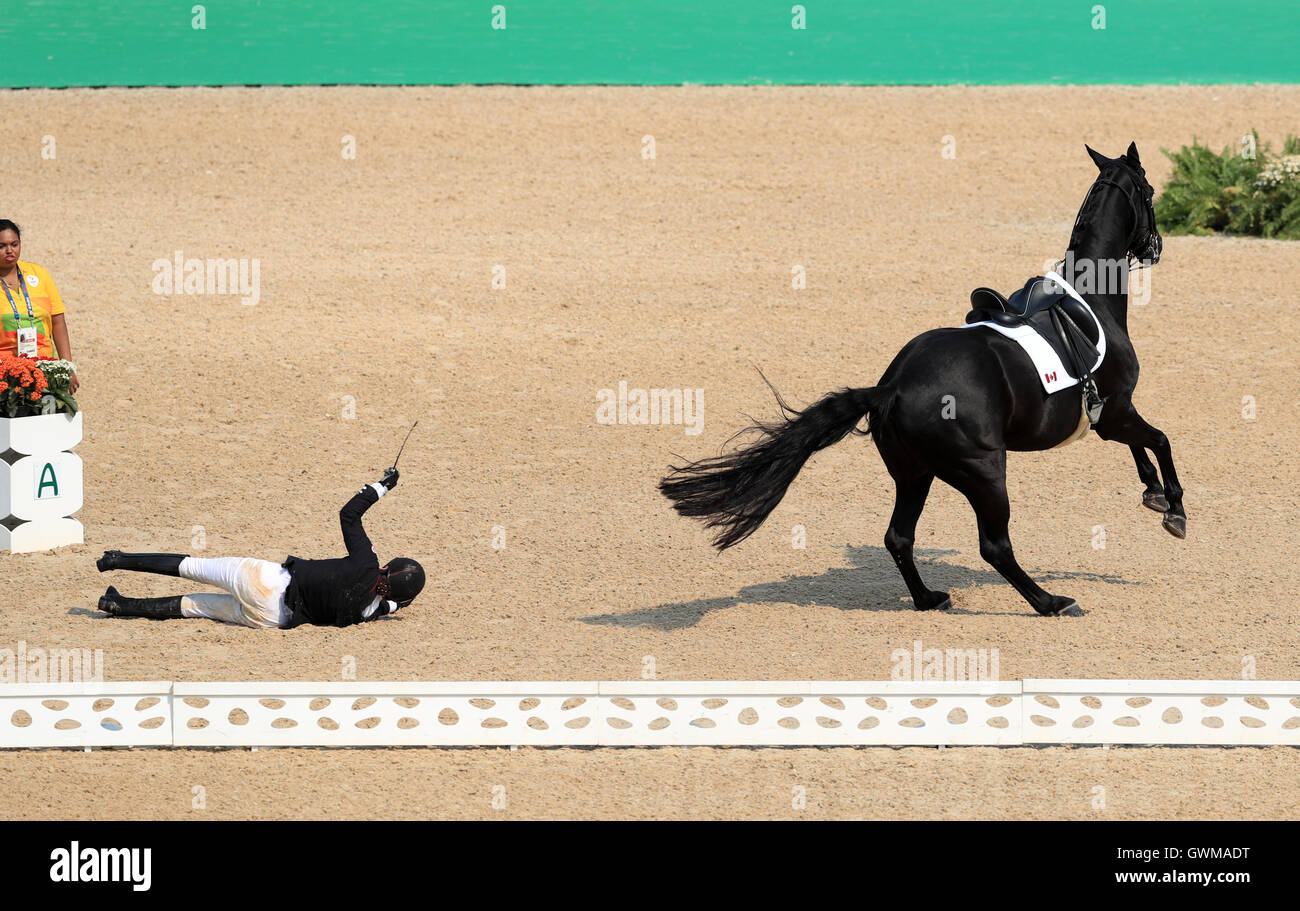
pixel 154 42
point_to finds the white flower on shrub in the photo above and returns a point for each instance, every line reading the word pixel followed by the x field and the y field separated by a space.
pixel 1284 170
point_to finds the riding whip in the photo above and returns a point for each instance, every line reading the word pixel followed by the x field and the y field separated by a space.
pixel 408 436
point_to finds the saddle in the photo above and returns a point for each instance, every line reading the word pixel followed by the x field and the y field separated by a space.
pixel 1063 321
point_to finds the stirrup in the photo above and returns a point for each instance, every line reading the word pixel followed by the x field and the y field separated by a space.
pixel 1092 400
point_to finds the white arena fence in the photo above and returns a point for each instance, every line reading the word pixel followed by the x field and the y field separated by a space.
pixel 650 713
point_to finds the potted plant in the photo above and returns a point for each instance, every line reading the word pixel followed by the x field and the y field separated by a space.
pixel 37 410
pixel 40 477
pixel 31 386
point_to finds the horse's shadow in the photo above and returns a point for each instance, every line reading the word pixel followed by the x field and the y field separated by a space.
pixel 870 583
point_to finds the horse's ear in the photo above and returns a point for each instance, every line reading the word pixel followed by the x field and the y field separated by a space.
pixel 1132 154
pixel 1098 159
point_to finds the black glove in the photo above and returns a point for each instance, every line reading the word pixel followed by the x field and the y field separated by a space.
pixel 389 479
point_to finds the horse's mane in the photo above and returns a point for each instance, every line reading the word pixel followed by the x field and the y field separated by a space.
pixel 1087 211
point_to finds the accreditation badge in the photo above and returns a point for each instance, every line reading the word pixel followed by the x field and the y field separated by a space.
pixel 27 341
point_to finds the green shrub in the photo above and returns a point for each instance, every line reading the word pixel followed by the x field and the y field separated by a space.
pixel 1211 193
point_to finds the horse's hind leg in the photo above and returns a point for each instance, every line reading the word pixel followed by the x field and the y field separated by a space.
pixel 909 500
pixel 1154 496
pixel 983 481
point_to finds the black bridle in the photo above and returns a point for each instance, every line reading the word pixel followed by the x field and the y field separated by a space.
pixel 1140 197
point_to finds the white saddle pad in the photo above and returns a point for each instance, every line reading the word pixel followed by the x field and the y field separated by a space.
pixel 1051 371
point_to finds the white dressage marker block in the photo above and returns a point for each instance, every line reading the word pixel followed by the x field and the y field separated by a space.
pixel 42 488
pixel 29 537
pixel 384 714
pixel 85 714
pixel 40 482
pixel 1184 712
pixel 809 713
pixel 40 433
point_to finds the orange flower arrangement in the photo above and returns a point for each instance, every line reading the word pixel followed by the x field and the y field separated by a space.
pixel 22 384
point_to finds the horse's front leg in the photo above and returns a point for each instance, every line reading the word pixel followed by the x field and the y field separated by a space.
pixel 1154 496
pixel 1127 426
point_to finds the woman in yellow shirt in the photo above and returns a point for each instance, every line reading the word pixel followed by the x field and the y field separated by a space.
pixel 32 323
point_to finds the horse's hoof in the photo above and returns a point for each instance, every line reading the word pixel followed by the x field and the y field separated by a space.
pixel 940 601
pixel 1155 499
pixel 1175 525
pixel 1062 607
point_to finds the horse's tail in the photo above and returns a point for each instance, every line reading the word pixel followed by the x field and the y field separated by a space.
pixel 734 492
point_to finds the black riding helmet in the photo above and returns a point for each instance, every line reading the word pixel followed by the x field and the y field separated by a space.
pixel 405 580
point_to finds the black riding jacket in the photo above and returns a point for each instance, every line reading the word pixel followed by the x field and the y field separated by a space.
pixel 336 592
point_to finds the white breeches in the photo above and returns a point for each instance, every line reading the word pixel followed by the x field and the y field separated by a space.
pixel 256 591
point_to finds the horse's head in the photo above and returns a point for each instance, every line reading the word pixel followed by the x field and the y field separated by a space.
pixel 1127 175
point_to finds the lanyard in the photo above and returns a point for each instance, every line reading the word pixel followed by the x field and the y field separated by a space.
pixel 18 320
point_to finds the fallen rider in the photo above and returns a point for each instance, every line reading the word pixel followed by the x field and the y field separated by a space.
pixel 338 592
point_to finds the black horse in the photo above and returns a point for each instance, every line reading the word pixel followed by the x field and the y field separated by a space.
pixel 955 400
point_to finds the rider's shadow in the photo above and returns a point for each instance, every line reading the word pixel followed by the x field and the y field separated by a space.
pixel 87 612
pixel 870 583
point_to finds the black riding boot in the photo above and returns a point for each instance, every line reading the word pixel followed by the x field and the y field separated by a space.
pixel 154 608
pixel 162 564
